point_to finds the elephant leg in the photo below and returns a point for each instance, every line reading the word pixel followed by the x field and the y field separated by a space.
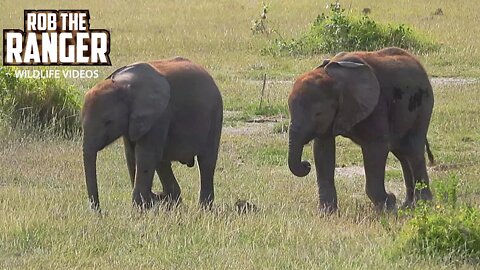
pixel 171 189
pixel 207 162
pixel 324 153
pixel 148 153
pixel 130 157
pixel 145 169
pixel 207 165
pixel 413 150
pixel 420 175
pixel 407 177
pixel 375 159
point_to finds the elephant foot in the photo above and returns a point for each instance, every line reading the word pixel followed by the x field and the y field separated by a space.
pixel 424 194
pixel 169 197
pixel 206 199
pixel 144 201
pixel 408 204
pixel 328 207
pixel 206 205
pixel 169 200
pixel 389 204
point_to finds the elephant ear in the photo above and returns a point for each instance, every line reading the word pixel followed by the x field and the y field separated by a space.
pixel 359 93
pixel 149 92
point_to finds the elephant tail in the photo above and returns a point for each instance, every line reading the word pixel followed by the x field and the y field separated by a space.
pixel 429 154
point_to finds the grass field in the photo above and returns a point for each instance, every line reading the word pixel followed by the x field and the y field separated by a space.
pixel 45 222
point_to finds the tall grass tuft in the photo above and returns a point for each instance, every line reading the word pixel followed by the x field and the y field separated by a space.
pixel 46 104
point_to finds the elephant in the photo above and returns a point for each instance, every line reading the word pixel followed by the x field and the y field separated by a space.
pixel 382 101
pixel 165 110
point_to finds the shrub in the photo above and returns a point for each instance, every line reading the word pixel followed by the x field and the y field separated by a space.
pixel 337 32
pixel 39 104
pixel 444 229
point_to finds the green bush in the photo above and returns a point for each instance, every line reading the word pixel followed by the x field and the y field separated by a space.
pixel 337 32
pixel 444 229
pixel 45 104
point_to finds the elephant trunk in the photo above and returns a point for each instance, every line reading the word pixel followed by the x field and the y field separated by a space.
pixel 295 148
pixel 90 164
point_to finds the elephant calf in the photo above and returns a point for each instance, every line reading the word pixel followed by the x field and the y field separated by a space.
pixel 382 101
pixel 166 111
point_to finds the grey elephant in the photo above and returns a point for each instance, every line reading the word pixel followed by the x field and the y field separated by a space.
pixel 383 102
pixel 166 111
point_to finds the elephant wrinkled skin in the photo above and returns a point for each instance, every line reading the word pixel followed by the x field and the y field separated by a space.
pixel 382 101
pixel 168 110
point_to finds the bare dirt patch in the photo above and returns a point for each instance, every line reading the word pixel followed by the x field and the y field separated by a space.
pixel 250 128
pixel 450 166
pixel 349 171
pixel 259 125
pixel 452 81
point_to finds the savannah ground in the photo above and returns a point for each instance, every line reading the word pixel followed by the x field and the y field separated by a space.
pixel 44 217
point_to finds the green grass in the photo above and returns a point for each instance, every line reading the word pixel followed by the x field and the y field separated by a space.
pixel 45 221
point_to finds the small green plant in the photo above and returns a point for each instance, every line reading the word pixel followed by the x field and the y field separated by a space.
pixel 39 104
pixel 446 191
pixel 337 31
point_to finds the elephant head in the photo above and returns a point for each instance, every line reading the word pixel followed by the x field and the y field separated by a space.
pixel 127 103
pixel 329 101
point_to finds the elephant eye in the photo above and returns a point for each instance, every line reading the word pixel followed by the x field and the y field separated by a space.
pixel 318 114
pixel 108 122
